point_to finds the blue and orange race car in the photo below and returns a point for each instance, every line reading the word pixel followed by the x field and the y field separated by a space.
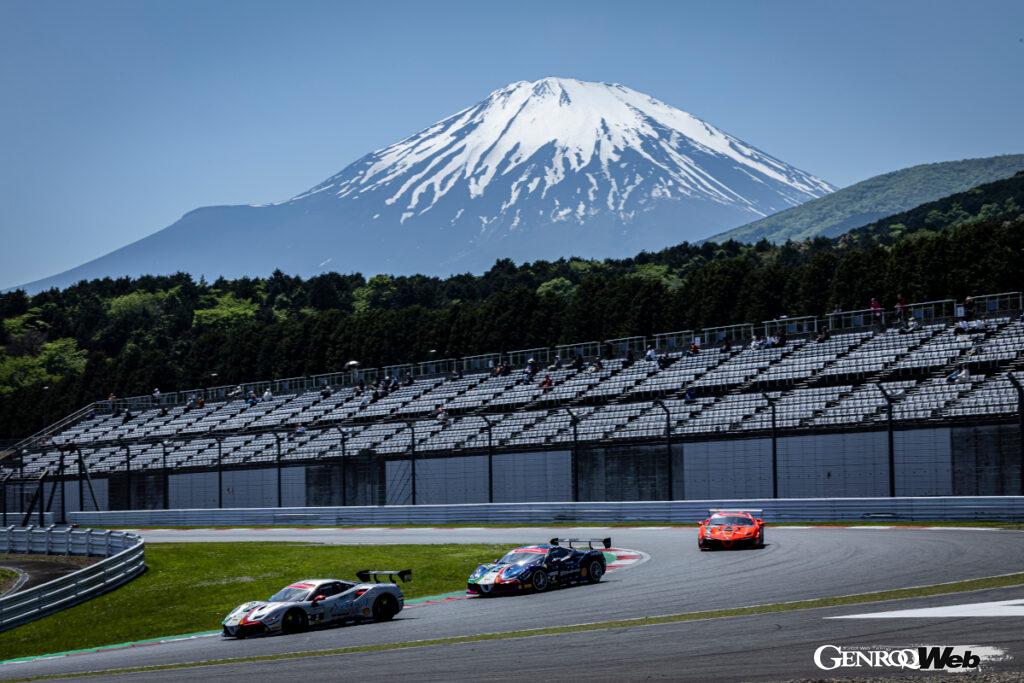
pixel 539 567
pixel 731 529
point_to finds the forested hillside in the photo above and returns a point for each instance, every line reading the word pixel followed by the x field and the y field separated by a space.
pixel 62 349
pixel 875 198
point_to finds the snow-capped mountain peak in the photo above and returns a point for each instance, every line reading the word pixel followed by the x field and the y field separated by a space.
pixel 612 147
pixel 537 170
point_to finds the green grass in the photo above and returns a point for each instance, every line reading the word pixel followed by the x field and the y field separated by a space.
pixel 189 587
pixel 987 583
pixel 7 579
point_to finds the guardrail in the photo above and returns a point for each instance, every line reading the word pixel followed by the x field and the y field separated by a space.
pixel 990 508
pixel 124 559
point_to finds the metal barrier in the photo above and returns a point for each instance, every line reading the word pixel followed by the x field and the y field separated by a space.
pixel 124 559
pixel 988 508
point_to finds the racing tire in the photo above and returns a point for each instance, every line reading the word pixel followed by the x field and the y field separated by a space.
pixel 760 540
pixel 701 545
pixel 540 581
pixel 595 570
pixel 385 608
pixel 294 621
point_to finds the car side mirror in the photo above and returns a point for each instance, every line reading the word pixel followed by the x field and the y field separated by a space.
pixel 761 522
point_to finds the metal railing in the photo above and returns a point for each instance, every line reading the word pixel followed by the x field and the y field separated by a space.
pixel 982 508
pixel 124 559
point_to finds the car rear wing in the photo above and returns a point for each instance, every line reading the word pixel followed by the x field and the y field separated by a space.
pixel 364 575
pixel 604 542
pixel 726 510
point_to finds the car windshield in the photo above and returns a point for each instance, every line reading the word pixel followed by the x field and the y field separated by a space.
pixel 521 557
pixel 731 520
pixel 290 594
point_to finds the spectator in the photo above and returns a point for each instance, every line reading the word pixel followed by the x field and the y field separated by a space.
pixel 577 362
pixel 969 308
pixel 547 382
pixel 664 362
pixel 440 414
pixel 163 411
pixel 252 399
pixel 127 416
pixel 689 396
pixel 651 355
pixel 506 370
pixel 961 327
pixel 557 365
pixel 876 312
pixel 267 395
pixel 191 403
pixel 964 377
pixel 823 335
pixel 300 429
pixel 629 360
pixel 726 346
pixel 156 395
pixel 326 392
pixel 201 402
pixel 773 342
pixel 237 391
pixel 531 369
pixel 901 309
pixel 694 348
pixel 756 343
pixel 407 380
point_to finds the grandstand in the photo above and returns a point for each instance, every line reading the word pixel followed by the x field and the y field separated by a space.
pixel 775 417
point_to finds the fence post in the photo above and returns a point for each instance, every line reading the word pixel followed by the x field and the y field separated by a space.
pixel 574 462
pixel 1020 414
pixel 220 472
pixel 277 438
pixel 490 458
pixel 412 457
pixel 167 475
pixel 668 448
pixel 128 475
pixel 775 447
pixel 344 484
pixel 892 447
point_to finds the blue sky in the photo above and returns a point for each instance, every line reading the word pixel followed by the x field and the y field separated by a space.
pixel 118 117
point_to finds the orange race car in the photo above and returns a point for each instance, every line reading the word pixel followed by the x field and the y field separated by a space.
pixel 731 529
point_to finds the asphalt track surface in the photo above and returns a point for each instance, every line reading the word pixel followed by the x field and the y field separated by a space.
pixel 798 563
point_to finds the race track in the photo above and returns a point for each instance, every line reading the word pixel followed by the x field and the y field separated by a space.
pixel 798 563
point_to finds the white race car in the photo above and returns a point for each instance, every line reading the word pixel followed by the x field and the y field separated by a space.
pixel 317 602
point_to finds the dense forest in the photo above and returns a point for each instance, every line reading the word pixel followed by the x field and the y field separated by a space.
pixel 62 349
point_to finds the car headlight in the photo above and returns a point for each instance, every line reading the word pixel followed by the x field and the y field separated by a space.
pixel 478 572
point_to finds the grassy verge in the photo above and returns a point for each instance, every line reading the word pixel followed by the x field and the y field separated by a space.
pixel 189 587
pixel 1004 581
pixel 7 579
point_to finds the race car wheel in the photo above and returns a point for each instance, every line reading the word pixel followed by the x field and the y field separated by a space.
pixel 595 570
pixel 760 539
pixel 540 581
pixel 294 621
pixel 385 608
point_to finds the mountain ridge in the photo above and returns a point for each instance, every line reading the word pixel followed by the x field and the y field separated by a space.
pixel 875 198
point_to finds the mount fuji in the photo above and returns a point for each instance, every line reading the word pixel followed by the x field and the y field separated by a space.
pixel 543 169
